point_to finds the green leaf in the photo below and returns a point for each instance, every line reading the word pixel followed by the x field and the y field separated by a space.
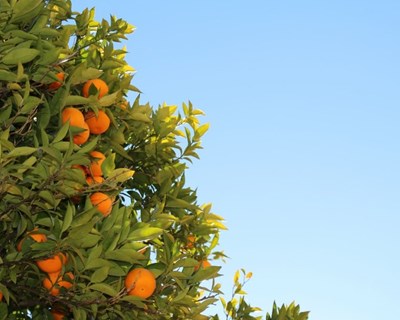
pixel 44 115
pixel 108 164
pixel 109 99
pixel 200 131
pixel 20 55
pixel 206 273
pixel 120 175
pixel 100 274
pixel 125 255
pixel 26 10
pixel 104 288
pixel 97 263
pixel 21 151
pixel 62 133
pixel 69 213
pixel 5 113
pixel 145 233
pixel 139 117
pixel 76 100
pixel 7 76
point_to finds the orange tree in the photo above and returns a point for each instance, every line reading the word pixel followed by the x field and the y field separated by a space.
pixel 97 221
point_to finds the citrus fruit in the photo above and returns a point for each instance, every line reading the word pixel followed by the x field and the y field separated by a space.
pixel 191 239
pixel 97 124
pixel 94 180
pixel 57 315
pixel 95 165
pixel 50 265
pixel 38 237
pixel 203 264
pixel 140 282
pixel 54 286
pixel 51 286
pixel 74 115
pixel 82 137
pixel 123 105
pixel 56 84
pixel 102 202
pixel 54 276
pixel 100 85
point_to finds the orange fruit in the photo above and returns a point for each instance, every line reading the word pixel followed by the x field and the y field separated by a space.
pixel 140 282
pixel 191 239
pixel 94 180
pixel 70 276
pixel 123 105
pixel 75 117
pixel 1 295
pixel 100 85
pixel 97 124
pixel 102 202
pixel 38 237
pixel 54 276
pixel 54 286
pixel 50 265
pixel 56 84
pixel 57 315
pixel 51 286
pixel 95 165
pixel 203 264
pixel 83 136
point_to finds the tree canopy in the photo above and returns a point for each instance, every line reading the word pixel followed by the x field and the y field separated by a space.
pixel 97 220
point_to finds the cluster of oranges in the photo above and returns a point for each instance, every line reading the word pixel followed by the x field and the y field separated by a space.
pixel 52 266
pixel 89 123
pixel 94 175
pixel 190 244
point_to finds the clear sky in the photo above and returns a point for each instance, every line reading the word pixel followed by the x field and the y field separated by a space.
pixel 302 158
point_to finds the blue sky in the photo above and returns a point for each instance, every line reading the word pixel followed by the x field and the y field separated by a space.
pixel 302 158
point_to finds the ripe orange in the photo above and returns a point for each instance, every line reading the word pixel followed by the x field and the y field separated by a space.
pixel 94 180
pixel 50 265
pixel 140 282
pixel 95 165
pixel 123 105
pixel 100 85
pixel 54 276
pixel 203 264
pixel 57 315
pixel 38 237
pixel 56 84
pixel 102 202
pixel 191 239
pixel 75 117
pixel 51 286
pixel 83 136
pixel 54 288
pixel 99 124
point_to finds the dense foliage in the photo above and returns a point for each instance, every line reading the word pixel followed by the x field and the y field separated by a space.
pixel 49 209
